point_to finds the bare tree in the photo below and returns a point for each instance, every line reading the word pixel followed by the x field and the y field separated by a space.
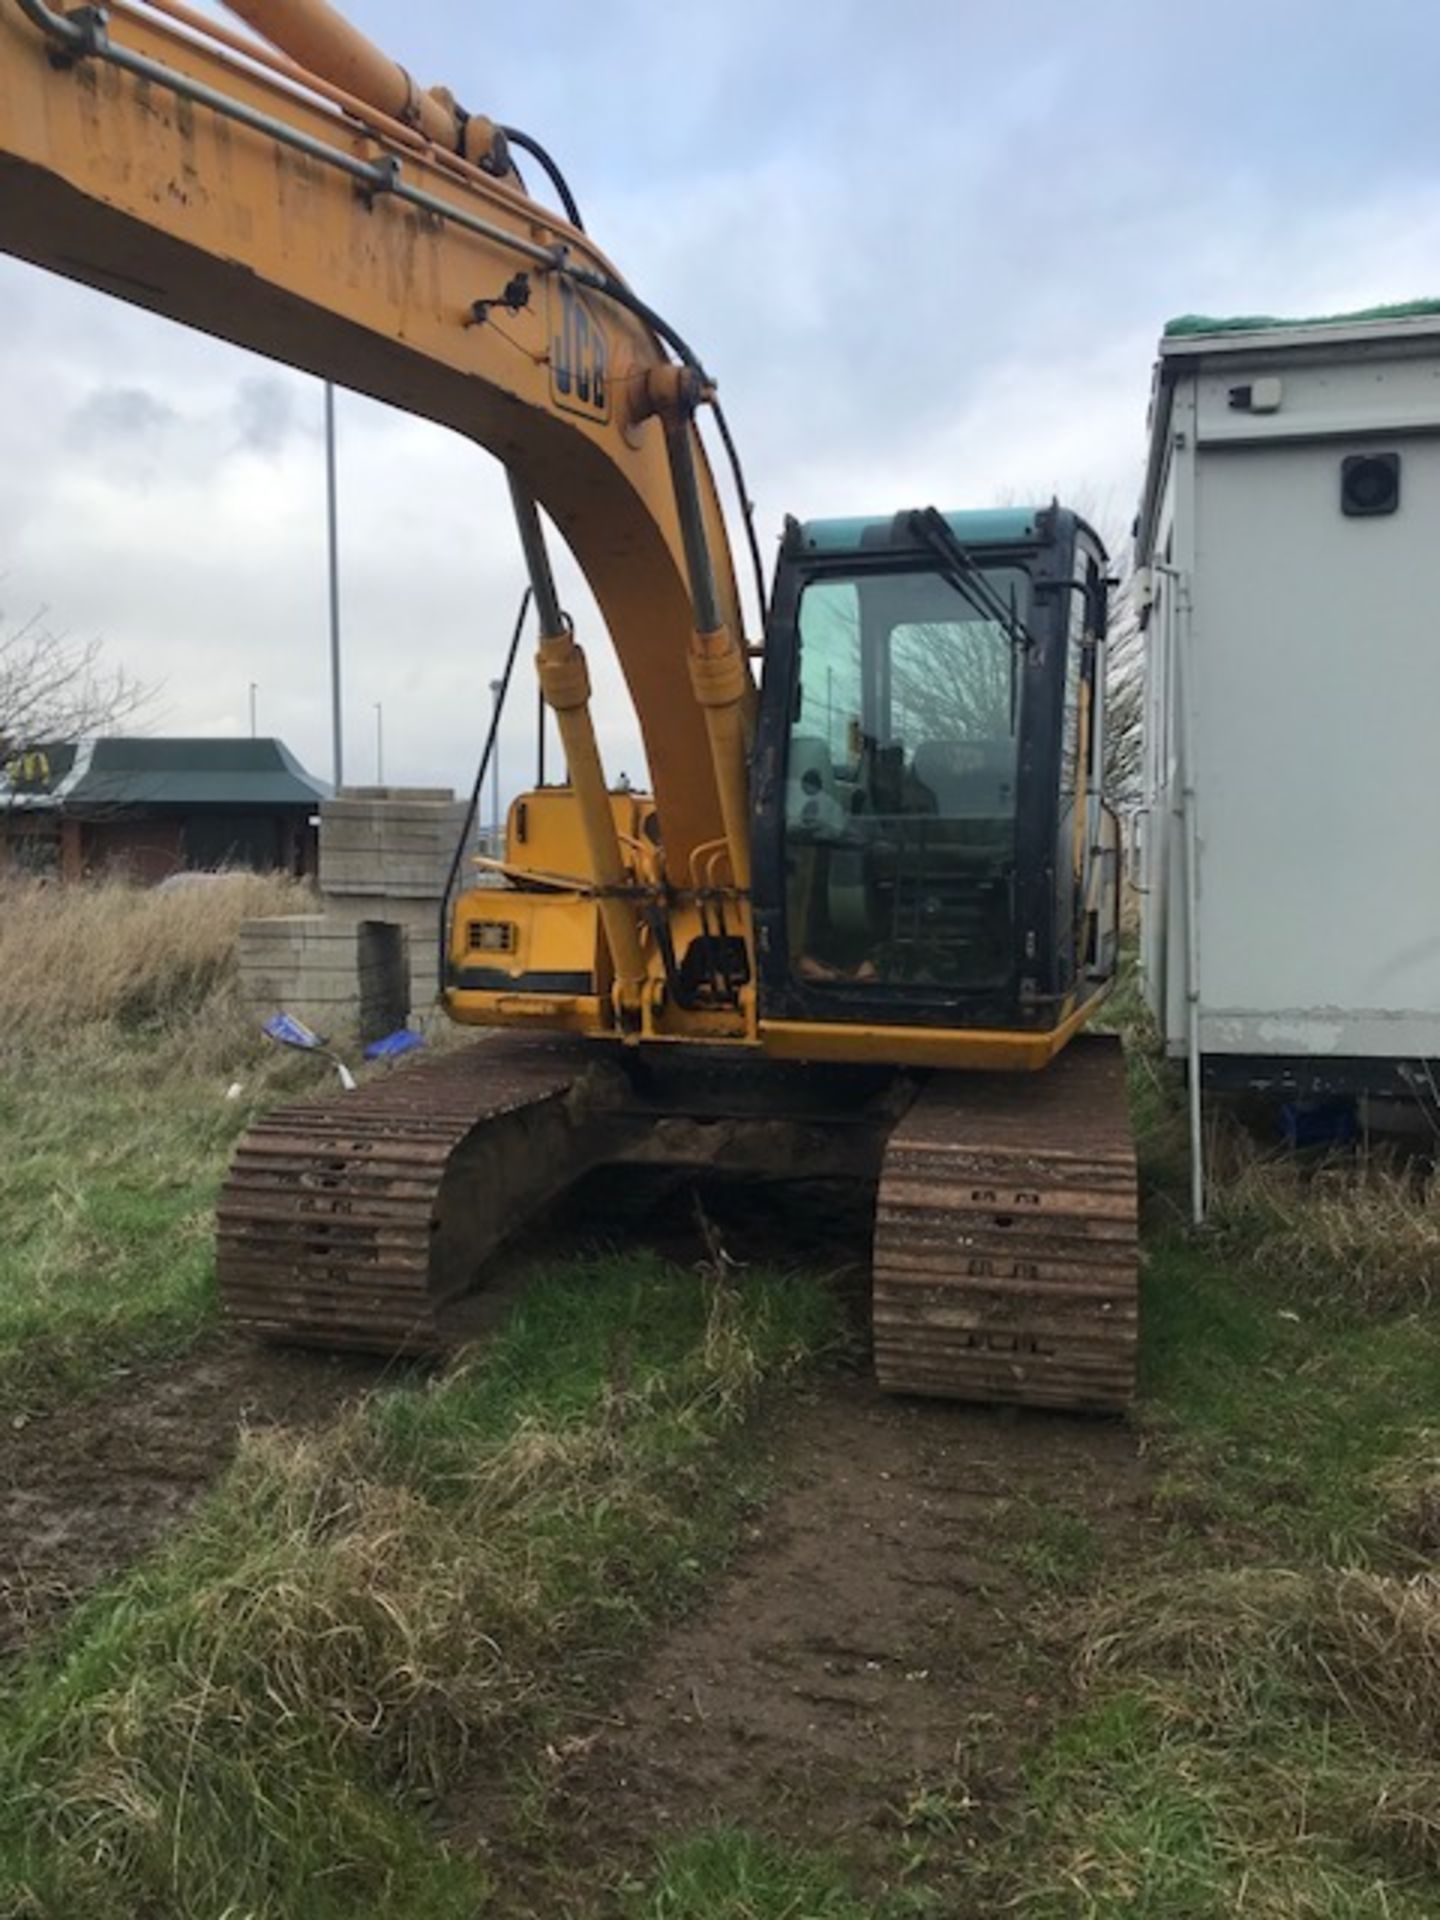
pixel 56 688
pixel 963 670
pixel 1124 688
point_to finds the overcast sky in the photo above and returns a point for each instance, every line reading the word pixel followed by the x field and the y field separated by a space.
pixel 925 247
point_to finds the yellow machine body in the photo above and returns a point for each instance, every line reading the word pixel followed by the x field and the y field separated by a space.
pixel 542 932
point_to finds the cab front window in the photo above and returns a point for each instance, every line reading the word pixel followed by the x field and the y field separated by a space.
pixel 901 781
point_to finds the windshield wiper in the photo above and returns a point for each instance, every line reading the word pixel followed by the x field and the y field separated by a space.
pixel 965 574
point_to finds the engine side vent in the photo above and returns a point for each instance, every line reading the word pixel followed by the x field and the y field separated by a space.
pixel 492 936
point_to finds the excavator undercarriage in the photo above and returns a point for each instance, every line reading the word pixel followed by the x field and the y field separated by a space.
pixel 1005 1226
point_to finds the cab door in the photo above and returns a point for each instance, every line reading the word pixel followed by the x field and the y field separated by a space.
pixel 899 797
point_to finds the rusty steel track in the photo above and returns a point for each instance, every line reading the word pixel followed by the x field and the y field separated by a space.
pixel 1006 1241
pixel 337 1224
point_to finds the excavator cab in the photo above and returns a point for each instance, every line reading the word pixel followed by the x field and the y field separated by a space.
pixel 931 845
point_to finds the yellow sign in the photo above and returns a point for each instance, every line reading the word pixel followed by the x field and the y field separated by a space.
pixel 29 769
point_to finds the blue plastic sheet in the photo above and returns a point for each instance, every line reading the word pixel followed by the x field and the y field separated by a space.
pixel 394 1044
pixel 291 1032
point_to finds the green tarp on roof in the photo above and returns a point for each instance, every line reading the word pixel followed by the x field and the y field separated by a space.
pixel 1189 323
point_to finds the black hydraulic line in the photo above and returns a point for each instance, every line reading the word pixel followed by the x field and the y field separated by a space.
pixel 688 998
pixel 698 564
pixel 617 291
pixel 747 509
pixel 529 145
pixel 479 787
pixel 537 558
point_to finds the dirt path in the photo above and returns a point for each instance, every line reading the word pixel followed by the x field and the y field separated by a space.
pixel 861 1679
pixel 88 1486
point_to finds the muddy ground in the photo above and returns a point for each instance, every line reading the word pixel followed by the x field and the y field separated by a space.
pixel 87 1486
pixel 866 1677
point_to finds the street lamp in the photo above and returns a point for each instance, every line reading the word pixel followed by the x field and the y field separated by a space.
pixel 379 744
pixel 497 687
pixel 332 528
pixel 254 689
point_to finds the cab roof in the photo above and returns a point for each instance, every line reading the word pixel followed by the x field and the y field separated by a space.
pixel 977 527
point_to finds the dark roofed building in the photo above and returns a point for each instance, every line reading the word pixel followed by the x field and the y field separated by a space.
pixel 150 808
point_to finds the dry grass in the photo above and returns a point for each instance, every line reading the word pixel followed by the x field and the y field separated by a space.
pixel 1406 1491
pixel 112 953
pixel 1258 1741
pixel 1359 1232
pixel 1363 1646
pixel 1257 1727
pixel 1314 1695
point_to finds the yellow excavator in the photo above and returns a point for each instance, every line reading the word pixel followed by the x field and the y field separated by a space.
pixel 859 922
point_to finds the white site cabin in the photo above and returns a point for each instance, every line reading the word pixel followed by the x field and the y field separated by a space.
pixel 1289 842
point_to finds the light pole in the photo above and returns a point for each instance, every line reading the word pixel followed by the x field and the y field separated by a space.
pixel 497 687
pixel 253 691
pixel 332 522
pixel 379 744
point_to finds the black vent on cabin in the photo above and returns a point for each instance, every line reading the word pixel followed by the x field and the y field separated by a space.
pixel 1369 484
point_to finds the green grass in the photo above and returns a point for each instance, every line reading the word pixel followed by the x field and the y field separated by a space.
pixel 1136 1811
pixel 254 1721
pixel 1055 1547
pixel 1277 1421
pixel 112 1148
pixel 728 1874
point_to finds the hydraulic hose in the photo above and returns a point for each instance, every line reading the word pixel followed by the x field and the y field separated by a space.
pixel 529 145
pixel 747 511
pixel 473 809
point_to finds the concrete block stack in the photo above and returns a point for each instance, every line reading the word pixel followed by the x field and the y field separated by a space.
pixel 342 978
pixel 384 855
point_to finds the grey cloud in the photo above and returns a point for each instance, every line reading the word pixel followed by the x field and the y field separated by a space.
pixel 111 417
pixel 265 416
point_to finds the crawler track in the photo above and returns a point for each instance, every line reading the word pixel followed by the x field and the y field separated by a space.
pixel 349 1221
pixel 1005 1238
pixel 1006 1250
